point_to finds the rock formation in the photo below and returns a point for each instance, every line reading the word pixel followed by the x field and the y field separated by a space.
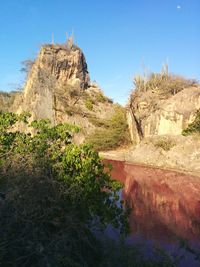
pixel 58 88
pixel 151 114
pixel 156 117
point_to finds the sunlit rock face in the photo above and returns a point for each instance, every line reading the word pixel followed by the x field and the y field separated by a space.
pixel 58 88
pixel 60 65
pixel 165 204
pixel 158 118
pixel 56 68
pixel 150 115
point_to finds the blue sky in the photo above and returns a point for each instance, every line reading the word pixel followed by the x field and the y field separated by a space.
pixel 118 37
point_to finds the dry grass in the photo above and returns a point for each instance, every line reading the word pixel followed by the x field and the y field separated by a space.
pixel 163 84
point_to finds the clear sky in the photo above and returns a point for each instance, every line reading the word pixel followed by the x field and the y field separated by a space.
pixel 118 37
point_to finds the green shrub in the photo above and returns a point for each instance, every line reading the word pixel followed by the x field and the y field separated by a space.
pixel 113 132
pixel 89 104
pixel 193 127
pixel 165 143
pixel 101 98
pixel 55 194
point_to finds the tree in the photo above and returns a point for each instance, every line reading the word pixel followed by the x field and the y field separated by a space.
pixel 55 196
pixel 26 66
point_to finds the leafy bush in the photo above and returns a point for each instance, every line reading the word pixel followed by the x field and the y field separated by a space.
pixel 113 133
pixel 193 127
pixel 101 98
pixel 54 195
pixel 164 143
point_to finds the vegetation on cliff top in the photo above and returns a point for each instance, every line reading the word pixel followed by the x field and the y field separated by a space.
pixel 164 84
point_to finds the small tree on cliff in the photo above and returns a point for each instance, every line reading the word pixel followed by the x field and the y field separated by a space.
pixel 27 65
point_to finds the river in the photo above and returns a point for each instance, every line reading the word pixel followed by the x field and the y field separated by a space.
pixel 165 206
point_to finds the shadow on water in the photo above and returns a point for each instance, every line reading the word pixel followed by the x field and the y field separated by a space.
pixel 165 209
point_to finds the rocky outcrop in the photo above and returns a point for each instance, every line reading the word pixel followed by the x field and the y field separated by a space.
pixel 61 65
pixel 156 121
pixel 58 88
pixel 157 118
pixel 150 115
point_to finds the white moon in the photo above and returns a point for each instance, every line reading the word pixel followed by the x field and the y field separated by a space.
pixel 178 7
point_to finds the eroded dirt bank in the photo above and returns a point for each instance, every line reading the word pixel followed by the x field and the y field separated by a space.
pixel 183 158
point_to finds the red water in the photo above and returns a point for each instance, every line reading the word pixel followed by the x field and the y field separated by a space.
pixel 165 204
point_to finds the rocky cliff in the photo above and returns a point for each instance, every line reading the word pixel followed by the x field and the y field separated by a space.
pixel 58 88
pixel 158 111
pixel 155 111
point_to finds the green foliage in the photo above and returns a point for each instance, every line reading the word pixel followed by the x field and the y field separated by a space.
pixel 7 119
pixel 193 127
pixel 113 132
pixel 89 104
pixel 55 194
pixel 101 98
pixel 164 143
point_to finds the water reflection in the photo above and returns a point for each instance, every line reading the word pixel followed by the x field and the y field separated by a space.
pixel 165 204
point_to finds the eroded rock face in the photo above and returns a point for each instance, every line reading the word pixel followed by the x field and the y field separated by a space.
pixel 149 115
pixel 58 88
pixel 55 68
pixel 62 65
